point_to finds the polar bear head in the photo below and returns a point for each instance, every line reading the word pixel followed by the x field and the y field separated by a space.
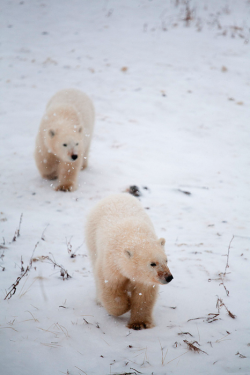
pixel 63 134
pixel 146 262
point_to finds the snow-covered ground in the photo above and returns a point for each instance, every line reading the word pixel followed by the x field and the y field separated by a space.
pixel 171 86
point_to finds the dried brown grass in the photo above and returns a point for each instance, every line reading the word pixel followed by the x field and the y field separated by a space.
pixel 220 304
pixel 23 273
pixel 194 348
pixel 63 272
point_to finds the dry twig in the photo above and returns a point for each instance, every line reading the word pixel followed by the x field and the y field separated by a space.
pixel 17 232
pixel 24 273
pixel 240 355
pixel 69 245
pixel 138 372
pixel 189 15
pixel 212 317
pixel 222 276
pixel 185 333
pixel 70 248
pixel 81 370
pixel 194 348
pixel 223 338
pixel 220 303
pixel 163 357
pixel 227 264
pixel 22 268
pixel 42 236
pixel 63 272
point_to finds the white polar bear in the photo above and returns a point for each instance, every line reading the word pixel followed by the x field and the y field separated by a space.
pixel 128 259
pixel 63 140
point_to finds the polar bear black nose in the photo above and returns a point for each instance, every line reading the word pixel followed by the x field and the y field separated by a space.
pixel 74 157
pixel 169 278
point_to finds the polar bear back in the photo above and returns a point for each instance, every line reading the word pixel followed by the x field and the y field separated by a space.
pixel 108 217
pixel 80 102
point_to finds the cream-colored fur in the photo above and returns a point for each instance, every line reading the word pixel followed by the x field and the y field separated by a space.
pixel 63 140
pixel 128 259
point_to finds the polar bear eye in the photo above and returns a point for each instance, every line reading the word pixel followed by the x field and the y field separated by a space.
pixel 65 144
pixel 77 144
pixel 153 264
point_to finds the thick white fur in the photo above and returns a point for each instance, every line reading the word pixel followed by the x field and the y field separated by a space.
pixel 122 244
pixel 68 120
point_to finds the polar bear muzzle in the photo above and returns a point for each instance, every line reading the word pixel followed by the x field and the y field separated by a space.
pixel 165 278
pixel 169 278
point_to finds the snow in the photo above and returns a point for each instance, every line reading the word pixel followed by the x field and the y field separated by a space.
pixel 172 115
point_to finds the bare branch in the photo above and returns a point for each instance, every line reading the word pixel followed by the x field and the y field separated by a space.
pixel 13 288
pixel 185 333
pixel 227 265
pixel 17 232
pixel 220 304
pixel 70 248
pixel 194 348
pixel 63 271
pixel 23 273
pixel 42 236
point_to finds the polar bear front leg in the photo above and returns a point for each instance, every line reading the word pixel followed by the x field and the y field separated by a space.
pixel 143 298
pixel 67 176
pixel 47 164
pixel 85 158
pixel 114 297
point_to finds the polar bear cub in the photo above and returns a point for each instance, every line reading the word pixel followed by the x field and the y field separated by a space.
pixel 63 140
pixel 127 258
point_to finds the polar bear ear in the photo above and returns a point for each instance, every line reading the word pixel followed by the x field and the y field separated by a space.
pixel 80 130
pixel 51 133
pixel 162 241
pixel 128 253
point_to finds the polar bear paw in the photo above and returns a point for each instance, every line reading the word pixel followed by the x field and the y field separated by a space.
pixel 65 187
pixel 140 325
